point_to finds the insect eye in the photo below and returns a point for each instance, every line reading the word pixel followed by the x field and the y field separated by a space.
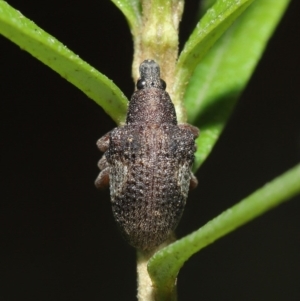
pixel 163 84
pixel 140 84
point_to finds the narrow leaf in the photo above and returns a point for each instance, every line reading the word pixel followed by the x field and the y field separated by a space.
pixel 131 10
pixel 164 266
pixel 211 26
pixel 52 53
pixel 205 5
pixel 225 70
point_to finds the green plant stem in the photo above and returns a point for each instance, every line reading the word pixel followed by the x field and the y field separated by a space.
pixel 146 290
pixel 157 37
pixel 164 266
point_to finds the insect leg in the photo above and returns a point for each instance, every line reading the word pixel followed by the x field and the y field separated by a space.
pixel 102 180
pixel 194 130
pixel 103 142
pixel 193 182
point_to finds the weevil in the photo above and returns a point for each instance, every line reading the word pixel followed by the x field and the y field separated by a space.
pixel 147 163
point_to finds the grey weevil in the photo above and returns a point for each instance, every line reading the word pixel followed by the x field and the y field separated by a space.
pixel 147 163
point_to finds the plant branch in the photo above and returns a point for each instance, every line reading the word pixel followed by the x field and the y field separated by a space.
pixel 164 266
pixel 157 37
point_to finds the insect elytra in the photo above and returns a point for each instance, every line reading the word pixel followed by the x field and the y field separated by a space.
pixel 147 164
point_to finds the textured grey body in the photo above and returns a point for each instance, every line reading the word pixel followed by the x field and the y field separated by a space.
pixel 148 164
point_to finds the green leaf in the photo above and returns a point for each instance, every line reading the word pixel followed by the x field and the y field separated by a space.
pixel 164 266
pixel 54 54
pixel 211 26
pixel 224 72
pixel 131 10
pixel 205 5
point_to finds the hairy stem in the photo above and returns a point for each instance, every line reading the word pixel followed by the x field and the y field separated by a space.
pixel 157 37
pixel 146 290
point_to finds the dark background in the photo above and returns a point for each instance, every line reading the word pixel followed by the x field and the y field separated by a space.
pixel 58 237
